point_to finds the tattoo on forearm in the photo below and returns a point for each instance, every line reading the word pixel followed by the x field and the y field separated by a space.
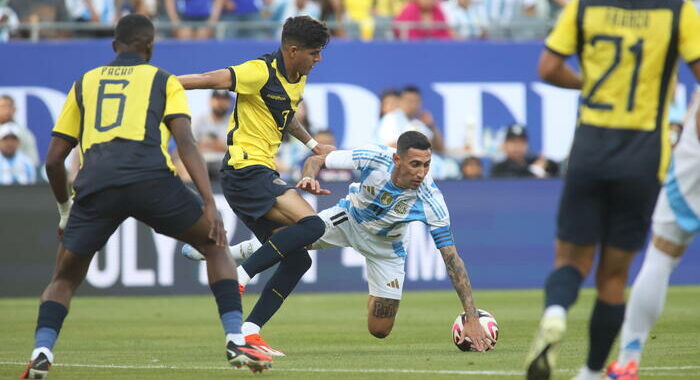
pixel 298 131
pixel 313 165
pixel 460 278
pixel 385 308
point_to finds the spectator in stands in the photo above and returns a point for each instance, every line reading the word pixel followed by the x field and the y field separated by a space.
pixel 35 11
pixel 518 163
pixel 360 14
pixel 422 19
pixel 467 19
pixel 26 137
pixel 284 9
pixel 210 128
pixel 331 175
pixel 8 21
pixel 505 17
pixel 384 13
pixel 238 12
pixel 148 8
pixel 15 167
pixel 333 13
pixel 94 11
pixel 389 101
pixel 409 117
pixel 194 11
pixel 472 168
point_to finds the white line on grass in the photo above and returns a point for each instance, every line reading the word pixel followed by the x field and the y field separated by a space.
pixel 649 371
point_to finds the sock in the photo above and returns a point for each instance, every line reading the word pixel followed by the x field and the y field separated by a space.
pixel 243 277
pixel 249 328
pixel 244 249
pixel 228 301
pixel 284 243
pixel 604 326
pixel 562 287
pixel 646 303
pixel 586 373
pixel 280 285
pixel 49 323
pixel 554 311
pixel 237 339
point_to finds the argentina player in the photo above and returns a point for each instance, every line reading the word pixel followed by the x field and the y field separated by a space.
pixel 394 189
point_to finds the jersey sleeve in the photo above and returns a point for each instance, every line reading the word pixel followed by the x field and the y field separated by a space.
pixel 249 77
pixel 562 39
pixel 370 157
pixel 68 124
pixel 689 33
pixel 340 159
pixel 176 100
pixel 436 215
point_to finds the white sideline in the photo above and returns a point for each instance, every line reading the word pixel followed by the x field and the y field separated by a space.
pixel 646 370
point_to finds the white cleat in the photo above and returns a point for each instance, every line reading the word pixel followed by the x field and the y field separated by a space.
pixel 189 252
pixel 543 354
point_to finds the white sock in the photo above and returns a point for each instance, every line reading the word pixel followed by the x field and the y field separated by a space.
pixel 249 328
pixel 42 350
pixel 646 303
pixel 586 373
pixel 554 311
pixel 238 339
pixel 243 277
pixel 244 249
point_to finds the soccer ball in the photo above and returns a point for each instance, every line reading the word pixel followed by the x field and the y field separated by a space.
pixel 487 321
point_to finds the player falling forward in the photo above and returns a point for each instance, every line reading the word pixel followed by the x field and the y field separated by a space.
pixel 122 115
pixel 269 91
pixel 628 52
pixel 395 189
pixel 675 223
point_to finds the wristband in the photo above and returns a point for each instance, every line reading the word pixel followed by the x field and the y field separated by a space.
pixel 64 212
pixel 311 144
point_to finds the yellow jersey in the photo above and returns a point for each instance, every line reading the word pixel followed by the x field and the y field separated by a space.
pixel 265 105
pixel 116 113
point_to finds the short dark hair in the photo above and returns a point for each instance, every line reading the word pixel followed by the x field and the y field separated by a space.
pixel 134 28
pixel 305 31
pixel 410 88
pixel 389 92
pixel 412 139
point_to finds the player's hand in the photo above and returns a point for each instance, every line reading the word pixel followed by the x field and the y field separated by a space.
pixel 311 185
pixel 427 118
pixel 217 232
pixel 322 149
pixel 476 333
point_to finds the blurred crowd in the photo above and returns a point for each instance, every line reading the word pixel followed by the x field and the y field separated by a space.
pixel 354 19
pixel 508 154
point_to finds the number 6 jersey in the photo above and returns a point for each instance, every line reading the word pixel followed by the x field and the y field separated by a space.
pixel 628 52
pixel 116 113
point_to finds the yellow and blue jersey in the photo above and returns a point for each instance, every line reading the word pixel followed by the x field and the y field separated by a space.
pixel 116 113
pixel 265 105
pixel 628 51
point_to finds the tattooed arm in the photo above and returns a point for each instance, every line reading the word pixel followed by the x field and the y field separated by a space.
pixel 460 280
pixel 299 132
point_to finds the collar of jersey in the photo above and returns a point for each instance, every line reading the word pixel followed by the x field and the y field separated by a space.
pixel 127 59
pixel 281 68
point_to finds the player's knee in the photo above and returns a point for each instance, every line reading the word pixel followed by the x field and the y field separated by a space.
pixel 379 332
pixel 314 226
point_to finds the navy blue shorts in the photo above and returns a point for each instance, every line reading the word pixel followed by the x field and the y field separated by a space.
pixel 251 192
pixel 165 204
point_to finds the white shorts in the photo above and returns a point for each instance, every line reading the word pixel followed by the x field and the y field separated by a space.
pixel 665 223
pixel 385 259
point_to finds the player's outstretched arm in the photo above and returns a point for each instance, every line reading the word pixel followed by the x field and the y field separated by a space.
pixel 554 70
pixel 56 171
pixel 190 156
pixel 215 80
pixel 460 281
pixel 308 181
pixel 299 132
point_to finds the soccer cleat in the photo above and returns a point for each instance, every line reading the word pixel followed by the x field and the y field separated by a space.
pixel 239 356
pixel 191 253
pixel 542 357
pixel 617 372
pixel 257 342
pixel 241 289
pixel 38 368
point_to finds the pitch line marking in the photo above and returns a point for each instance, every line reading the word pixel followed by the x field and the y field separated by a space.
pixel 647 370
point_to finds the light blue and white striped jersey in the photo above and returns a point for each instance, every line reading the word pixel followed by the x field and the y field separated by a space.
pixel 17 170
pixel 385 210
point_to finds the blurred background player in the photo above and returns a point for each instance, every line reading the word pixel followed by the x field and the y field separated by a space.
pixel 269 91
pixel 126 172
pixel 395 190
pixel 675 223
pixel 628 53
pixel 16 168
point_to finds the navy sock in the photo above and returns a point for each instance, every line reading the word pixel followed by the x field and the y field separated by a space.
pixel 280 285
pixel 228 301
pixel 606 322
pixel 49 323
pixel 284 243
pixel 562 287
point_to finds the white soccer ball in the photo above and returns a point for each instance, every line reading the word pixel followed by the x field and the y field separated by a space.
pixel 488 322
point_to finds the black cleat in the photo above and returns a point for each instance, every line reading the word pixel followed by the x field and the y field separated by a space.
pixel 239 356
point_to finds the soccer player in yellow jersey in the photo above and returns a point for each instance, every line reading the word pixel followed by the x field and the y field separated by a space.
pixel 269 91
pixel 628 52
pixel 122 114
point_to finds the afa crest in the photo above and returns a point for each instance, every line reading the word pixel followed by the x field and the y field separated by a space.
pixel 386 199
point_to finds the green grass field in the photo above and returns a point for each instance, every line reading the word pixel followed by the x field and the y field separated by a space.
pixel 324 336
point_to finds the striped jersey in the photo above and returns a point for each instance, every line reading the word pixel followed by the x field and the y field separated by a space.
pixel 384 209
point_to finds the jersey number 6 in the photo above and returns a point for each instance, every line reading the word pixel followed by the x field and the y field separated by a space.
pixel 102 95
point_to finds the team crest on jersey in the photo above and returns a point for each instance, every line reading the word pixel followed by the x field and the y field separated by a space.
pixel 386 199
pixel 401 207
